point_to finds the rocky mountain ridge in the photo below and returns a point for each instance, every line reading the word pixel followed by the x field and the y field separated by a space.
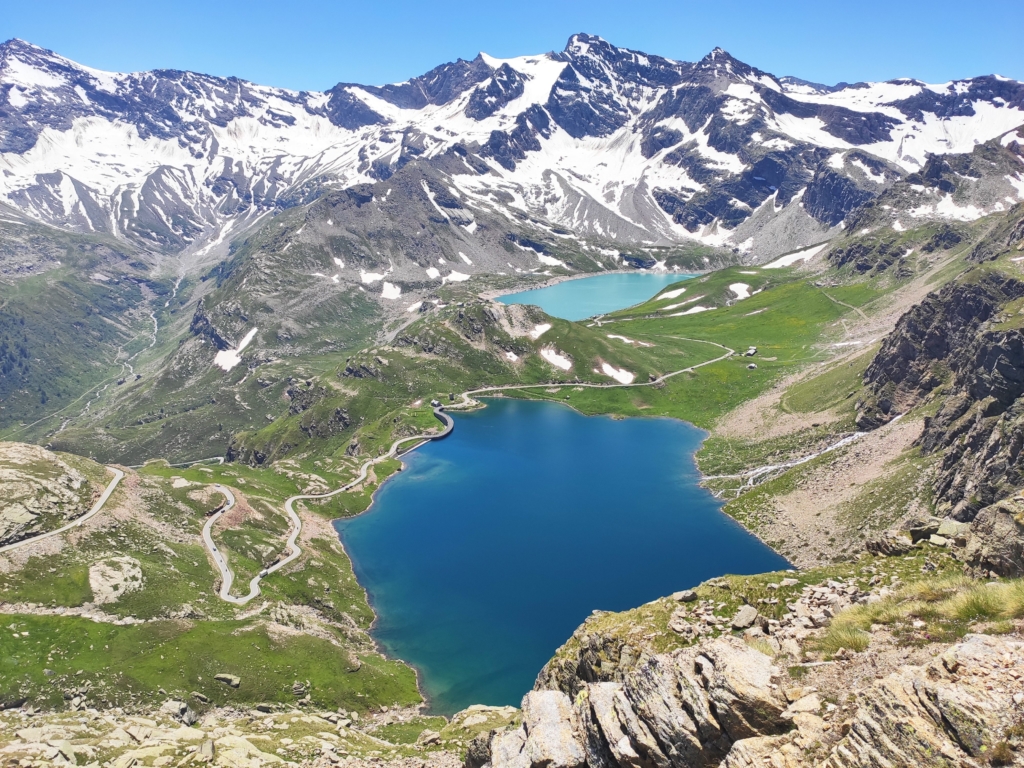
pixel 610 144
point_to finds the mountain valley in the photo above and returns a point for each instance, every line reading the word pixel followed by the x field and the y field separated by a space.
pixel 221 301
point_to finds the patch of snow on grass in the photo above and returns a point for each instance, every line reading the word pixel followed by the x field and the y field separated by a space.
pixel 512 356
pixel 672 294
pixel 680 304
pixel 692 311
pixel 621 375
pixel 455 277
pixel 792 258
pixel 748 272
pixel 632 342
pixel 742 290
pixel 556 358
pixel 229 358
pixel 391 291
pixel 539 330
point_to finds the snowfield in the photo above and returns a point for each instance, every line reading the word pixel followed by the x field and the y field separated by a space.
pixel 621 375
pixel 556 358
pixel 229 358
pixel 804 255
pixel 92 169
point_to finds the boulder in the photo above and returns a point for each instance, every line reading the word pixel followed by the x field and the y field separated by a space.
pixel 550 738
pixel 233 680
pixel 507 750
pixel 890 544
pixel 996 540
pixel 428 737
pixel 745 617
pixel 741 687
pixel 686 596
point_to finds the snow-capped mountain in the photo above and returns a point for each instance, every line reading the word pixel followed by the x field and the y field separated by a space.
pixel 613 145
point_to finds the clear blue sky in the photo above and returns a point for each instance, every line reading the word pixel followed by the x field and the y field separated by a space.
pixel 313 44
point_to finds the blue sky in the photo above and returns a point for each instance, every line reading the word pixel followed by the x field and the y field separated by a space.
pixel 313 44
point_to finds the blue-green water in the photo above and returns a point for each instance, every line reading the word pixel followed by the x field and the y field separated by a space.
pixel 494 544
pixel 589 296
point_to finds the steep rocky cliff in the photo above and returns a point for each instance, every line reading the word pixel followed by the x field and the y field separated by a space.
pixel 725 703
pixel 962 348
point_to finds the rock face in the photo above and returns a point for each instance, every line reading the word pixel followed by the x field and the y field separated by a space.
pixel 949 712
pixel 956 342
pixel 680 709
pixel 41 492
pixel 721 705
pixel 113 578
pixel 996 540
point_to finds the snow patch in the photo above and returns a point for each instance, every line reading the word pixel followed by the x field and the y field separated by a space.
pixel 621 375
pixel 692 311
pixel 229 358
pixel 803 255
pixel 455 277
pixel 390 291
pixel 556 358
pixel 539 330
pixel 672 294
pixel 742 290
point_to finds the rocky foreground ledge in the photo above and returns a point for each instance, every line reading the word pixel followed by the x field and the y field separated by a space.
pixel 726 703
pixel 894 661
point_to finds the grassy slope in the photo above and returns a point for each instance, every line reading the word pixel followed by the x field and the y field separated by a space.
pixel 182 654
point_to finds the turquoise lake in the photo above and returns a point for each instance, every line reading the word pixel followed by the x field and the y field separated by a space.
pixel 589 296
pixel 494 544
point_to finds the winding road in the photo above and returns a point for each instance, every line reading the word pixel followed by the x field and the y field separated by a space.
pixel 227 577
pixel 118 475
pixel 468 401
pixel 293 549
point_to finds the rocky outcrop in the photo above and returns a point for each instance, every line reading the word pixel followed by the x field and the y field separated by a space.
pixel 950 343
pixel 40 492
pixel 996 542
pixel 685 708
pixel 722 704
pixel 951 712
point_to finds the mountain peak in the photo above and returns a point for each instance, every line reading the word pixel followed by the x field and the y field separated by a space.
pixel 581 43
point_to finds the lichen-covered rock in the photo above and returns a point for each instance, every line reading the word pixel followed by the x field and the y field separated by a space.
pixel 551 737
pixel 996 539
pixel 675 710
pixel 932 716
pixel 741 685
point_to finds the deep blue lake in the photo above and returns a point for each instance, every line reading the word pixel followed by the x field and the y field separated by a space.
pixel 589 296
pixel 494 544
